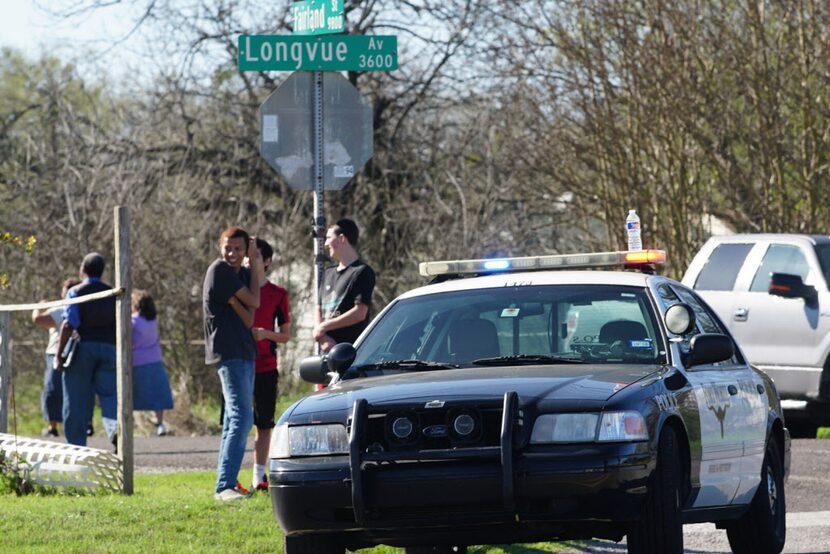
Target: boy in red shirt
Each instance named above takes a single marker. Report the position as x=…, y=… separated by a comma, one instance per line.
x=272, y=326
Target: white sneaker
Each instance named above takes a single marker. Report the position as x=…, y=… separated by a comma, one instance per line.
x=161, y=429
x=229, y=495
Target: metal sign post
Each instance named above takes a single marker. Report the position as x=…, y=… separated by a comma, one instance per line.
x=319, y=215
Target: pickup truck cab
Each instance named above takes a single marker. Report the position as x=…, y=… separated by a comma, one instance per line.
x=771, y=291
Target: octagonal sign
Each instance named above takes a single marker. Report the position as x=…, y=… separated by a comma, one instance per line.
x=287, y=131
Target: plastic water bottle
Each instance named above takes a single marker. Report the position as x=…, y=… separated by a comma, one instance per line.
x=632, y=227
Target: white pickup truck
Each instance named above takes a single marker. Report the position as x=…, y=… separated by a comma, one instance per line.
x=771, y=291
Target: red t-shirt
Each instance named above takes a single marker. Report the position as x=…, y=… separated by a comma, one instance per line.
x=273, y=311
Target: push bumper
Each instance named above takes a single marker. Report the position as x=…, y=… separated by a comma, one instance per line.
x=376, y=498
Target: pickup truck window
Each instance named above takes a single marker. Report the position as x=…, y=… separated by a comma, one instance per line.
x=823, y=254
x=780, y=258
x=722, y=268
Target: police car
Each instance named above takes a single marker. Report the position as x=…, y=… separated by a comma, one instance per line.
x=519, y=400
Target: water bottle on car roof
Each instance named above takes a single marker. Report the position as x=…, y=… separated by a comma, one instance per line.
x=632, y=229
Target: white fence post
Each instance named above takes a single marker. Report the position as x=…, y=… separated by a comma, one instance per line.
x=5, y=369
x=123, y=347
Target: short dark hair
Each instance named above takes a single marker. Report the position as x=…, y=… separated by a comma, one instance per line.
x=93, y=265
x=143, y=303
x=234, y=233
x=346, y=226
x=68, y=283
x=265, y=248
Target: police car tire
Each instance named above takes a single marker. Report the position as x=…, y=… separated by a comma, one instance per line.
x=313, y=544
x=660, y=529
x=763, y=529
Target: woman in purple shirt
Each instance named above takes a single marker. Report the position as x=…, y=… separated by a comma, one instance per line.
x=151, y=387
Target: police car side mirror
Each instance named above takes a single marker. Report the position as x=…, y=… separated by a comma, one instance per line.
x=709, y=348
x=787, y=285
x=314, y=370
x=679, y=319
x=340, y=357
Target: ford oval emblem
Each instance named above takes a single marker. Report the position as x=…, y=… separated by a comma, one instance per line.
x=435, y=431
x=434, y=404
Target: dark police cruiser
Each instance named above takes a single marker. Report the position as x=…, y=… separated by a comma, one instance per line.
x=508, y=402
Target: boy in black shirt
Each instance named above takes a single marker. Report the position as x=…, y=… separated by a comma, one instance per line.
x=346, y=290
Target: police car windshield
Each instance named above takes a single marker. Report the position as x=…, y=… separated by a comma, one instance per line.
x=583, y=323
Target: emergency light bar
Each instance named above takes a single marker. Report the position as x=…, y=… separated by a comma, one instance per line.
x=536, y=263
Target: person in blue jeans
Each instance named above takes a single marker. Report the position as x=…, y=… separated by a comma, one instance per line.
x=51, y=400
x=230, y=296
x=92, y=369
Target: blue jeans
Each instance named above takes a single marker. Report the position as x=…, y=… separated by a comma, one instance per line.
x=51, y=401
x=92, y=372
x=237, y=378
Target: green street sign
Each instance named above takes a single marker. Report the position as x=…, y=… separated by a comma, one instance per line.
x=318, y=53
x=317, y=17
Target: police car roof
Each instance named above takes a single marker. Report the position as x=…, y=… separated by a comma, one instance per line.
x=531, y=278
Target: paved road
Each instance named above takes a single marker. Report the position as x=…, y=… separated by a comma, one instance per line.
x=172, y=453
x=808, y=490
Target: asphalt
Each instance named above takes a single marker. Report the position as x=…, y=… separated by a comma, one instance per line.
x=173, y=453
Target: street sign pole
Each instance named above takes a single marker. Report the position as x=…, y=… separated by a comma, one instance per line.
x=319, y=215
x=347, y=126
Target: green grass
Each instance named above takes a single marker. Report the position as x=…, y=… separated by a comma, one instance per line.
x=823, y=433
x=172, y=512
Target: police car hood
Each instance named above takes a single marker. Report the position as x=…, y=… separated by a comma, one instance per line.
x=573, y=386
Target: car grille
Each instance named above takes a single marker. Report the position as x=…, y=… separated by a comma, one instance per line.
x=416, y=428
x=382, y=437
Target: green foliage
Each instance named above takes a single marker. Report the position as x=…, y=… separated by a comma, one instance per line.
x=27, y=244
x=823, y=433
x=15, y=474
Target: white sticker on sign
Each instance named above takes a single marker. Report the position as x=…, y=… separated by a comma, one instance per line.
x=344, y=171
x=270, y=131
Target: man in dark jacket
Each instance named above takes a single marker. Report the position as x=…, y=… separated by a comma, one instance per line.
x=92, y=369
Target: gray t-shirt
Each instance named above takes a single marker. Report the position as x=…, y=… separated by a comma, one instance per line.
x=54, y=332
x=226, y=336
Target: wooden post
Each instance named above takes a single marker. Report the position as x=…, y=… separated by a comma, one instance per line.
x=5, y=369
x=123, y=347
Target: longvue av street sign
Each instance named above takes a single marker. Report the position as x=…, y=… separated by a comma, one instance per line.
x=318, y=53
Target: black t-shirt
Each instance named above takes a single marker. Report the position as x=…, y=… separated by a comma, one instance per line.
x=341, y=290
x=226, y=336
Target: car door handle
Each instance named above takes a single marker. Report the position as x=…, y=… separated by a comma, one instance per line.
x=740, y=314
x=733, y=390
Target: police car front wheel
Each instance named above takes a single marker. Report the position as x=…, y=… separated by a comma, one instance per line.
x=763, y=529
x=660, y=530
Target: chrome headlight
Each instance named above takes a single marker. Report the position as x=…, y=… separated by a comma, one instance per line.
x=551, y=428
x=589, y=427
x=622, y=426
x=309, y=440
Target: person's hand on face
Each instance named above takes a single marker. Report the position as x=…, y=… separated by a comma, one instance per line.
x=253, y=252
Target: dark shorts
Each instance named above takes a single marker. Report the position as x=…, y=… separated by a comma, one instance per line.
x=265, y=398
